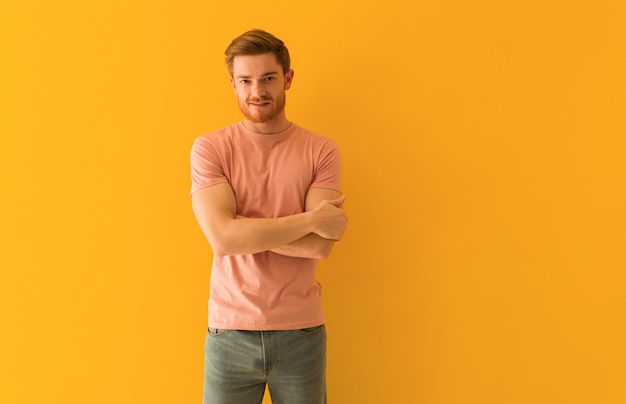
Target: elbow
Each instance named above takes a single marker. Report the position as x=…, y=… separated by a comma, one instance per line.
x=323, y=252
x=219, y=246
x=221, y=249
x=219, y=252
x=223, y=246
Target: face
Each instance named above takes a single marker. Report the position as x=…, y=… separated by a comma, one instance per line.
x=260, y=86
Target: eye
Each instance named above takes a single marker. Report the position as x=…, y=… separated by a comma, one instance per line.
x=270, y=78
x=244, y=81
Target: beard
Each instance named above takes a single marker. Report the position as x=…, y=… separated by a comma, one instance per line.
x=266, y=115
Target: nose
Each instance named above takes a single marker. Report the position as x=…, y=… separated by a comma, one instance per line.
x=257, y=89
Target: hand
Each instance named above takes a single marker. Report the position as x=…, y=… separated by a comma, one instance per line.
x=330, y=220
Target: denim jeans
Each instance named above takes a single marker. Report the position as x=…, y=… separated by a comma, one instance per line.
x=238, y=364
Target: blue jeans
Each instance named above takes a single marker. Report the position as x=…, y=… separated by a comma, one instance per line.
x=238, y=364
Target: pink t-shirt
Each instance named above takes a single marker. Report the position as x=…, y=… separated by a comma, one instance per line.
x=270, y=176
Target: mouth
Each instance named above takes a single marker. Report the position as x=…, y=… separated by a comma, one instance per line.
x=259, y=104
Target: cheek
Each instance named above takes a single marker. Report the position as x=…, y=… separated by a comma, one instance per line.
x=241, y=95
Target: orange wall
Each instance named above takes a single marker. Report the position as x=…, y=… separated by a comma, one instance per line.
x=483, y=144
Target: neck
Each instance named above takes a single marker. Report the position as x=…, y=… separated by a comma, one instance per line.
x=274, y=126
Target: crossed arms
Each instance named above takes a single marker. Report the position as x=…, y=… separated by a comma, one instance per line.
x=309, y=235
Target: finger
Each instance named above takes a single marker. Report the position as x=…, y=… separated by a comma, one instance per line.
x=337, y=202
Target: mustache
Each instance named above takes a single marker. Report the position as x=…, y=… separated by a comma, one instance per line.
x=258, y=100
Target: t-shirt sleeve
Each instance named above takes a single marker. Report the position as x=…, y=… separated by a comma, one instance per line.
x=328, y=167
x=207, y=167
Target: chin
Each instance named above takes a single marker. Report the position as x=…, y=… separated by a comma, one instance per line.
x=260, y=119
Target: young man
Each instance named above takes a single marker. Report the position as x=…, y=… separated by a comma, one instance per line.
x=267, y=195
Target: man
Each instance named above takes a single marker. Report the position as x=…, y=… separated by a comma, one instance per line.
x=266, y=194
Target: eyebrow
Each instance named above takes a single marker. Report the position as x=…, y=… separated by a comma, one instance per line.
x=241, y=76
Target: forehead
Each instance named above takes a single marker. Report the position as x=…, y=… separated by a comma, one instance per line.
x=256, y=65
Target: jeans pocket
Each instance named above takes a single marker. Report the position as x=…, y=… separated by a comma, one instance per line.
x=311, y=330
x=214, y=332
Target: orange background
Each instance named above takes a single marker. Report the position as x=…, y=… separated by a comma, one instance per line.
x=484, y=150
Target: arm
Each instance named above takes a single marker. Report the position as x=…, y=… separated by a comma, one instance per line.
x=215, y=210
x=312, y=245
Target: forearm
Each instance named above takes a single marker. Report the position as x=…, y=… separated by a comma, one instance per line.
x=314, y=245
x=309, y=246
x=230, y=234
x=242, y=235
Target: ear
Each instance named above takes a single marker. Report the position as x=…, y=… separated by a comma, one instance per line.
x=288, y=79
x=232, y=83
